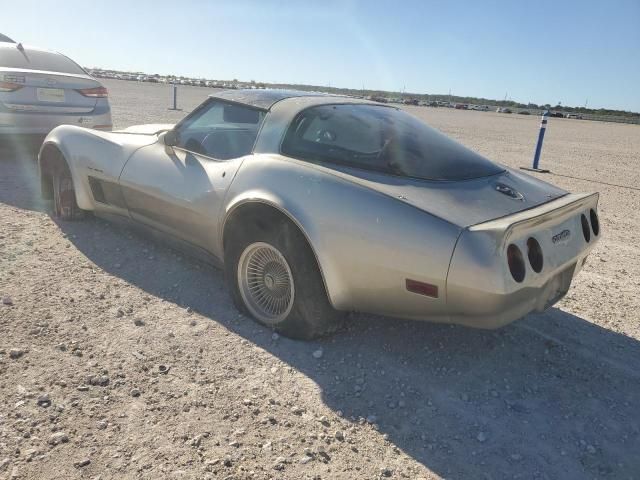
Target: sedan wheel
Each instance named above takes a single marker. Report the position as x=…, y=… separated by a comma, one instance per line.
x=266, y=283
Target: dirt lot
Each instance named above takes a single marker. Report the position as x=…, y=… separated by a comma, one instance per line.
x=120, y=358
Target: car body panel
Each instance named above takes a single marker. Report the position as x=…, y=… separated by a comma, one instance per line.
x=463, y=203
x=491, y=301
x=178, y=192
x=26, y=98
x=92, y=153
x=149, y=129
x=370, y=232
x=364, y=267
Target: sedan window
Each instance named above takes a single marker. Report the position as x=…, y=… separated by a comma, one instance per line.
x=220, y=130
x=382, y=139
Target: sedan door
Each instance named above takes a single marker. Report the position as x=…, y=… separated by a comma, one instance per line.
x=180, y=190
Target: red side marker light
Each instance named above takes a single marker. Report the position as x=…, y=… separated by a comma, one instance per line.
x=420, y=288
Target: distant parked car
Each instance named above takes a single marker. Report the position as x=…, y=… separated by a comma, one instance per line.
x=479, y=108
x=461, y=106
x=575, y=116
x=524, y=112
x=503, y=110
x=4, y=38
x=556, y=114
x=41, y=89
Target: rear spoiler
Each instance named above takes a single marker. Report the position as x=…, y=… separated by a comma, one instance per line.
x=558, y=209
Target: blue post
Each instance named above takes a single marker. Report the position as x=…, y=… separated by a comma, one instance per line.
x=536, y=156
x=175, y=97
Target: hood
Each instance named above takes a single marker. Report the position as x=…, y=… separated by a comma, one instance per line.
x=463, y=203
x=148, y=129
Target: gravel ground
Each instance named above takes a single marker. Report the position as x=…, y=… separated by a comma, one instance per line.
x=121, y=358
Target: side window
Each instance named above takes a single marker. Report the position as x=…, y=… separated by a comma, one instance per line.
x=339, y=133
x=345, y=131
x=220, y=130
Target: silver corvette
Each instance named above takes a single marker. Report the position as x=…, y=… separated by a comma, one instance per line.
x=316, y=205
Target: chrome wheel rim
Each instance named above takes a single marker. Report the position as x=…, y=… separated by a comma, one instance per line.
x=266, y=283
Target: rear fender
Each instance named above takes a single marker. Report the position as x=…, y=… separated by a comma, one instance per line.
x=366, y=243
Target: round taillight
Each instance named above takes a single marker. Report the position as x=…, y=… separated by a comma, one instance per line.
x=516, y=263
x=586, y=230
x=534, y=252
x=595, y=223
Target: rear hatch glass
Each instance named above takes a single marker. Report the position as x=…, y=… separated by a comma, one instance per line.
x=12, y=57
x=381, y=139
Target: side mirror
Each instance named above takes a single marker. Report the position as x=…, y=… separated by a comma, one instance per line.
x=170, y=138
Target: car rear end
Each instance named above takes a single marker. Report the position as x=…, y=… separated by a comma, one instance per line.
x=503, y=269
x=40, y=90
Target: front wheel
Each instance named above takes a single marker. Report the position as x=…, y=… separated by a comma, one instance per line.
x=64, y=195
x=273, y=276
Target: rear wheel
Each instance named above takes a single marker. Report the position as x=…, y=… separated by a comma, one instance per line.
x=266, y=283
x=274, y=277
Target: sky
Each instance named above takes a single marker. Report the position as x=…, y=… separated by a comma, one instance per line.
x=540, y=51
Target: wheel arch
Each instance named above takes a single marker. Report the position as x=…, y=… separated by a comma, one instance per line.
x=53, y=151
x=48, y=159
x=266, y=210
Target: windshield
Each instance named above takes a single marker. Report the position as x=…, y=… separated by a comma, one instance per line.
x=12, y=57
x=382, y=139
x=220, y=130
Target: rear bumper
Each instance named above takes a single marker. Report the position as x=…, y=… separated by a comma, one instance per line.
x=492, y=310
x=480, y=289
x=16, y=123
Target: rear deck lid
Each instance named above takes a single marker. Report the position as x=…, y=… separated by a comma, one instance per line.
x=40, y=81
x=466, y=202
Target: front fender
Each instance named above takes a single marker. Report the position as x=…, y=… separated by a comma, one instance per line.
x=367, y=244
x=94, y=153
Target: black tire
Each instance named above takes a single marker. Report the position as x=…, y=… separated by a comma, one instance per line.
x=65, y=206
x=311, y=315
